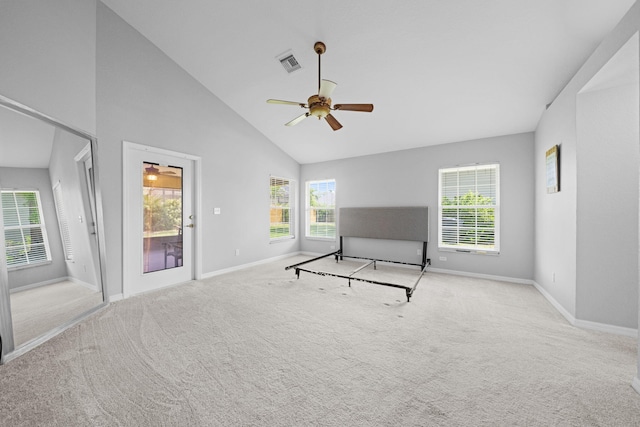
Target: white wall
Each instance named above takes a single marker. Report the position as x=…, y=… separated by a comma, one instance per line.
x=608, y=157
x=144, y=97
x=65, y=170
x=48, y=53
x=80, y=63
x=410, y=178
x=37, y=179
x=556, y=215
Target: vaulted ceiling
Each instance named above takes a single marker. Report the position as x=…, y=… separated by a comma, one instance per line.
x=437, y=71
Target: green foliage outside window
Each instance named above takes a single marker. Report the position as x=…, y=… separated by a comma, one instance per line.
x=468, y=220
x=163, y=217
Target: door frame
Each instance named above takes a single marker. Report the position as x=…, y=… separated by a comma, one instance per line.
x=127, y=256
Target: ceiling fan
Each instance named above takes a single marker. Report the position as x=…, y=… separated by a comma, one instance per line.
x=152, y=173
x=320, y=105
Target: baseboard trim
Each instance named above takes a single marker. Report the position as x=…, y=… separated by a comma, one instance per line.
x=481, y=276
x=603, y=327
x=115, y=298
x=636, y=384
x=81, y=283
x=51, y=282
x=586, y=324
x=555, y=304
x=248, y=265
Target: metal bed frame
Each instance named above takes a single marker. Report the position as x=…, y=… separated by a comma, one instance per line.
x=354, y=228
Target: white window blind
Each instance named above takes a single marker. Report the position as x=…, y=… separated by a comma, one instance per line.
x=321, y=209
x=469, y=208
x=281, y=212
x=25, y=235
x=63, y=222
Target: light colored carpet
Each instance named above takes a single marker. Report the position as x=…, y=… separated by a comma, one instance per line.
x=38, y=310
x=260, y=348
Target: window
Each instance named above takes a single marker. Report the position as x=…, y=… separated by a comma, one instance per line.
x=25, y=236
x=63, y=223
x=321, y=209
x=281, y=213
x=469, y=208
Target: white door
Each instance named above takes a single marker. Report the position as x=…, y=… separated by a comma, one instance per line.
x=159, y=219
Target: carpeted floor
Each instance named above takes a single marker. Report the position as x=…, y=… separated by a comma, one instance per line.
x=38, y=310
x=260, y=348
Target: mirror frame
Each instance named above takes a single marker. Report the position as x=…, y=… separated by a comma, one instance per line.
x=7, y=348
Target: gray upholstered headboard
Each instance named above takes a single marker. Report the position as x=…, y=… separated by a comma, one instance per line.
x=393, y=223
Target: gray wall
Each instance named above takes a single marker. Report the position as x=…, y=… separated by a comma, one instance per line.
x=564, y=220
x=37, y=179
x=608, y=156
x=144, y=97
x=70, y=174
x=51, y=49
x=94, y=72
x=410, y=178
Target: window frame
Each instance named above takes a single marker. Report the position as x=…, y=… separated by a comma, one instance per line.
x=494, y=189
x=63, y=221
x=308, y=209
x=291, y=200
x=41, y=225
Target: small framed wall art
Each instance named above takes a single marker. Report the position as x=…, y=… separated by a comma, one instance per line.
x=552, y=162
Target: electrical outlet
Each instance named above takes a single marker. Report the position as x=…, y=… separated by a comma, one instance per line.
x=419, y=251
x=237, y=252
x=443, y=258
x=216, y=211
x=332, y=247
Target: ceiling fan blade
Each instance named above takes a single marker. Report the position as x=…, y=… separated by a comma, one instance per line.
x=367, y=108
x=326, y=88
x=335, y=125
x=278, y=101
x=297, y=119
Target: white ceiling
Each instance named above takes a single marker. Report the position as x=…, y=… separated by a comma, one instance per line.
x=437, y=71
x=25, y=142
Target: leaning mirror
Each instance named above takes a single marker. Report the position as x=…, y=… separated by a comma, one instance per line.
x=50, y=257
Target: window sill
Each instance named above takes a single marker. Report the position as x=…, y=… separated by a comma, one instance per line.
x=22, y=267
x=468, y=251
x=321, y=239
x=282, y=239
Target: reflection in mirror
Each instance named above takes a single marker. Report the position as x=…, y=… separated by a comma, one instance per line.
x=50, y=240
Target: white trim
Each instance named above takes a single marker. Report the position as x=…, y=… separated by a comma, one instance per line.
x=81, y=283
x=482, y=276
x=555, y=304
x=41, y=225
x=127, y=147
x=636, y=384
x=115, y=298
x=251, y=264
x=150, y=149
x=603, y=327
x=293, y=211
x=37, y=285
x=586, y=324
x=474, y=249
x=307, y=210
x=53, y=282
x=83, y=154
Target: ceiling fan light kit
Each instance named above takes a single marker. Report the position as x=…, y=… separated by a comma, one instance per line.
x=320, y=105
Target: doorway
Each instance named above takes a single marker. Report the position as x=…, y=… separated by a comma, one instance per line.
x=159, y=230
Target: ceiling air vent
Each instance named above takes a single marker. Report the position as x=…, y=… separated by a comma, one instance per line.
x=289, y=62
